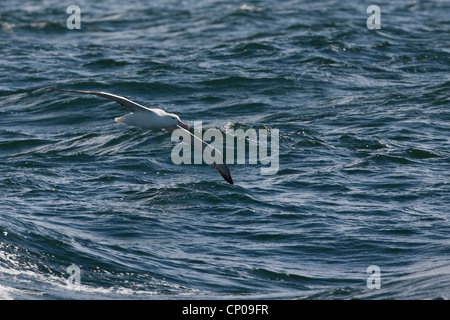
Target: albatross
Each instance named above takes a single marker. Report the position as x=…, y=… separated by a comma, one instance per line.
x=158, y=119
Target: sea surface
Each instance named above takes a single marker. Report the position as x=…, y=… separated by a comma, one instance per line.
x=359, y=207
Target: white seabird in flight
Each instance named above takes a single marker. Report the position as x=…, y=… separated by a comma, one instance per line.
x=158, y=119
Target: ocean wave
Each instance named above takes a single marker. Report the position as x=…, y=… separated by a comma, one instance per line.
x=363, y=151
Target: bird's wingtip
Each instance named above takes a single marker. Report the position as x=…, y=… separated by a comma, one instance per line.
x=224, y=172
x=229, y=179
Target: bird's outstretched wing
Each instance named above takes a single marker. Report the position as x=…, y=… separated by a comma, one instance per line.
x=181, y=132
x=130, y=105
x=221, y=166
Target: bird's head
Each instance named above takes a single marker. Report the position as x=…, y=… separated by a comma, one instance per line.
x=174, y=120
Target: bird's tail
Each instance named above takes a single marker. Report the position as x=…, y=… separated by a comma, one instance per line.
x=120, y=119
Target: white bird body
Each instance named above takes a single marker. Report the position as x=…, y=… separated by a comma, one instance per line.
x=157, y=119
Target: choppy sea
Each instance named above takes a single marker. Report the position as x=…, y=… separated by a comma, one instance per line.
x=358, y=208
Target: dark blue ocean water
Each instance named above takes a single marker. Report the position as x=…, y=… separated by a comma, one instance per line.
x=364, y=150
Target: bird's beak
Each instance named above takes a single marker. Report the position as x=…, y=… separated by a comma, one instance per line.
x=184, y=125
